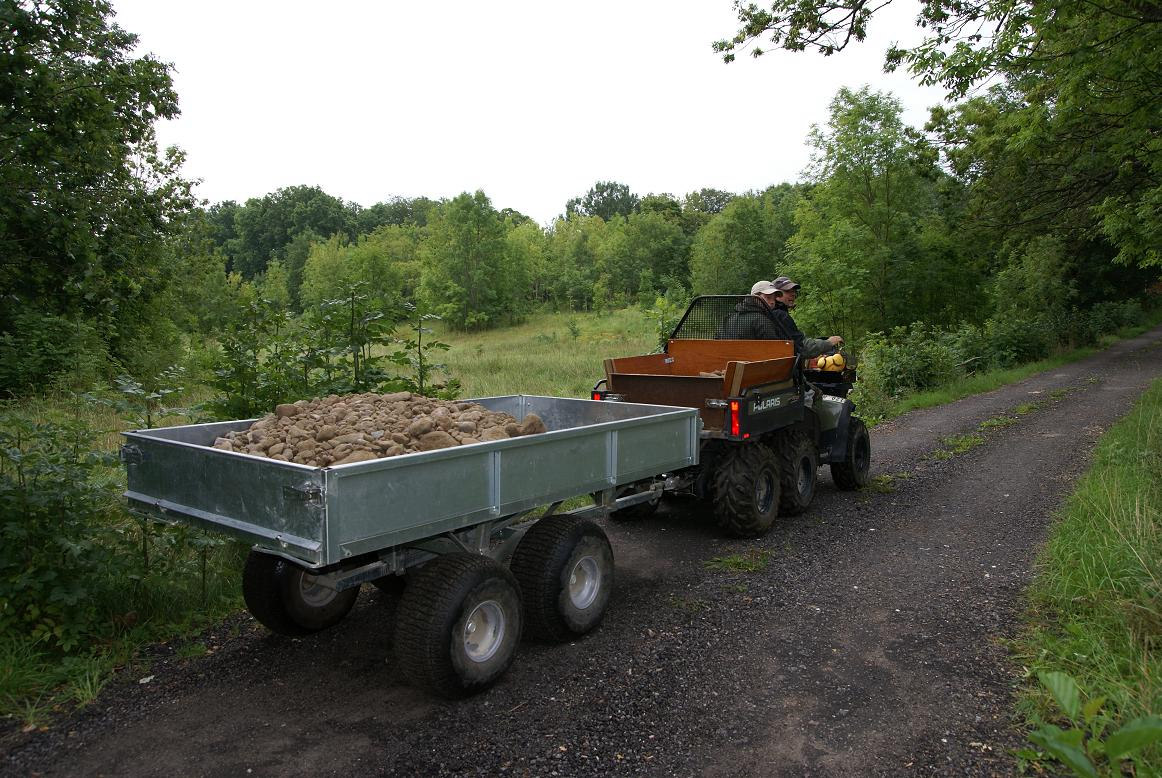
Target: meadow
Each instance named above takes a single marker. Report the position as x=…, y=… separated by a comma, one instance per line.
x=554, y=354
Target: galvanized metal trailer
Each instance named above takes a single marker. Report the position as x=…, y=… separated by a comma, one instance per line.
x=453, y=517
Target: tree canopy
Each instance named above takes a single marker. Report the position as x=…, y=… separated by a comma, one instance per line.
x=1069, y=134
x=87, y=200
x=606, y=199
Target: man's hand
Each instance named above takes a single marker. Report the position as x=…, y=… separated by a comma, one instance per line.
x=835, y=340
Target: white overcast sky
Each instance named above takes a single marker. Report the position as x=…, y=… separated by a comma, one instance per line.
x=530, y=100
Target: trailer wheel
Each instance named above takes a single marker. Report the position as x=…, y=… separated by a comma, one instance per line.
x=565, y=568
x=458, y=625
x=746, y=490
x=800, y=464
x=855, y=469
x=288, y=600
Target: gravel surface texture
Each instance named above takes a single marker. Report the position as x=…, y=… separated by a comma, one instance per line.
x=871, y=642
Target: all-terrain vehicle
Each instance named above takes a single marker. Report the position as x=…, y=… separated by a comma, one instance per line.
x=769, y=420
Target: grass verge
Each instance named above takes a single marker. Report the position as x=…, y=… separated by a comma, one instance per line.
x=994, y=379
x=1096, y=603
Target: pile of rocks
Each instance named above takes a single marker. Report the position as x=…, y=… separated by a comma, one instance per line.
x=339, y=430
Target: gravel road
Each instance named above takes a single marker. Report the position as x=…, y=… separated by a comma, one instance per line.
x=871, y=643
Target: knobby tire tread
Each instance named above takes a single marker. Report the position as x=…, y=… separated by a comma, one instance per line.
x=734, y=497
x=845, y=474
x=790, y=447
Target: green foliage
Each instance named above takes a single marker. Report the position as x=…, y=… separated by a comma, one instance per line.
x=605, y=200
x=142, y=405
x=264, y=227
x=87, y=200
x=82, y=584
x=1086, y=747
x=870, y=245
x=252, y=373
x=468, y=278
x=1097, y=601
x=53, y=547
x=667, y=311
x=922, y=357
x=737, y=247
x=540, y=356
x=643, y=246
x=41, y=351
x=416, y=353
x=570, y=274
x=384, y=263
x=753, y=561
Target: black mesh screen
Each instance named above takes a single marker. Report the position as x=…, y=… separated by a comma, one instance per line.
x=708, y=318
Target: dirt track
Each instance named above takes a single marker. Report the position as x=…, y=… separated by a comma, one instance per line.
x=871, y=643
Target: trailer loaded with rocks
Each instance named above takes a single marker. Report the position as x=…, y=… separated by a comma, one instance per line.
x=464, y=497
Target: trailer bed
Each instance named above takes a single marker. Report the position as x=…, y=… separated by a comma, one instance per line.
x=323, y=516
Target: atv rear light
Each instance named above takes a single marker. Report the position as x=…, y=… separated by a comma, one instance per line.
x=734, y=417
x=613, y=397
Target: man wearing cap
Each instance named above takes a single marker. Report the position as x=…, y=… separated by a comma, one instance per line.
x=782, y=302
x=765, y=315
x=752, y=318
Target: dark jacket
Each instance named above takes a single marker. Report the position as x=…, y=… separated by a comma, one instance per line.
x=807, y=347
x=753, y=320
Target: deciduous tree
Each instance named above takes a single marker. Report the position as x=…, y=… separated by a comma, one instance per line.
x=87, y=200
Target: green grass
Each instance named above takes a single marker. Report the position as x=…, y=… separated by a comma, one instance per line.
x=1096, y=603
x=983, y=382
x=994, y=379
x=957, y=444
x=543, y=355
x=747, y=562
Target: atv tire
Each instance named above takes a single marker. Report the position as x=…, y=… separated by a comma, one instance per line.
x=854, y=471
x=799, y=460
x=746, y=490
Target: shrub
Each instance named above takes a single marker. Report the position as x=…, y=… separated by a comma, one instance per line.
x=75, y=568
x=53, y=547
x=41, y=351
x=1010, y=341
x=907, y=359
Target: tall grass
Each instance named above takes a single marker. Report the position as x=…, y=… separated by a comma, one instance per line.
x=557, y=354
x=1096, y=603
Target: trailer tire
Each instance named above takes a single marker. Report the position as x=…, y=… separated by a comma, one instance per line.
x=459, y=624
x=285, y=598
x=800, y=467
x=565, y=568
x=854, y=471
x=746, y=490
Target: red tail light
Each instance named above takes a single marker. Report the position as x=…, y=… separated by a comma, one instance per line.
x=597, y=395
x=734, y=417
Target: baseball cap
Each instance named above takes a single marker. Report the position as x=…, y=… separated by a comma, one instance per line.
x=784, y=284
x=763, y=287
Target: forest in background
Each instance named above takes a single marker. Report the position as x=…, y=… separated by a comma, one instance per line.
x=1024, y=216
